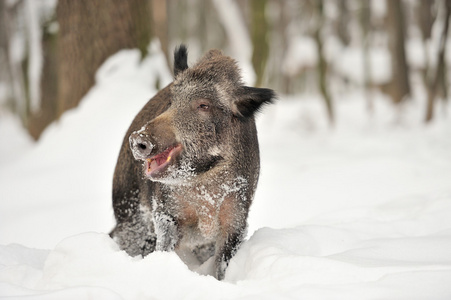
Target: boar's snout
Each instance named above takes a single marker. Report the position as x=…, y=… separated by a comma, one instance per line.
x=141, y=145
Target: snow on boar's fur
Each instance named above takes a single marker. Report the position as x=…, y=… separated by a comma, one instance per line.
x=189, y=165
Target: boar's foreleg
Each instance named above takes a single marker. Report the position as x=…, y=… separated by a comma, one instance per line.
x=166, y=230
x=233, y=225
x=226, y=252
x=135, y=236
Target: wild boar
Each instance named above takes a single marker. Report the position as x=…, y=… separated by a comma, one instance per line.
x=189, y=165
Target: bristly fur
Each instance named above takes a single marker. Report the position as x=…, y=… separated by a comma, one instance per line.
x=180, y=59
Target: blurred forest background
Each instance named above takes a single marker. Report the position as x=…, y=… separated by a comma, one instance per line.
x=50, y=50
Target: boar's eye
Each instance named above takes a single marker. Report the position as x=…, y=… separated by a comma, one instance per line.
x=203, y=106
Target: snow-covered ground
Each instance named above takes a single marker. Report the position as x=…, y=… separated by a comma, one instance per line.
x=362, y=211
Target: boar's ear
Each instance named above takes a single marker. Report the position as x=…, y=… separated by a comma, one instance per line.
x=180, y=59
x=251, y=99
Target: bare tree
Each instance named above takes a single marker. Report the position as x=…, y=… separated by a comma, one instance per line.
x=440, y=69
x=272, y=39
x=12, y=71
x=90, y=31
x=322, y=63
x=365, y=21
x=425, y=21
x=259, y=35
x=48, y=110
x=343, y=21
x=400, y=86
x=160, y=25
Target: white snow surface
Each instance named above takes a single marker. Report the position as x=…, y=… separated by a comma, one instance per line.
x=361, y=211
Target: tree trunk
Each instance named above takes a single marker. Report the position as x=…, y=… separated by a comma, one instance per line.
x=425, y=22
x=440, y=71
x=259, y=31
x=160, y=26
x=13, y=69
x=47, y=111
x=400, y=86
x=426, y=18
x=91, y=31
x=343, y=21
x=322, y=64
x=365, y=21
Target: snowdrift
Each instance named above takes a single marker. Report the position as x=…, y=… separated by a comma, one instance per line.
x=362, y=211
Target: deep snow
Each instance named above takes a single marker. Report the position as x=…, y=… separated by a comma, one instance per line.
x=362, y=211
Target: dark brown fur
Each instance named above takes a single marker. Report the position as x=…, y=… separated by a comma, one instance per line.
x=197, y=204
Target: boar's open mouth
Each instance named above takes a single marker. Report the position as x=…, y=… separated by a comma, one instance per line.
x=159, y=162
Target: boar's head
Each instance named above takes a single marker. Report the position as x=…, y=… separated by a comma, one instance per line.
x=210, y=111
